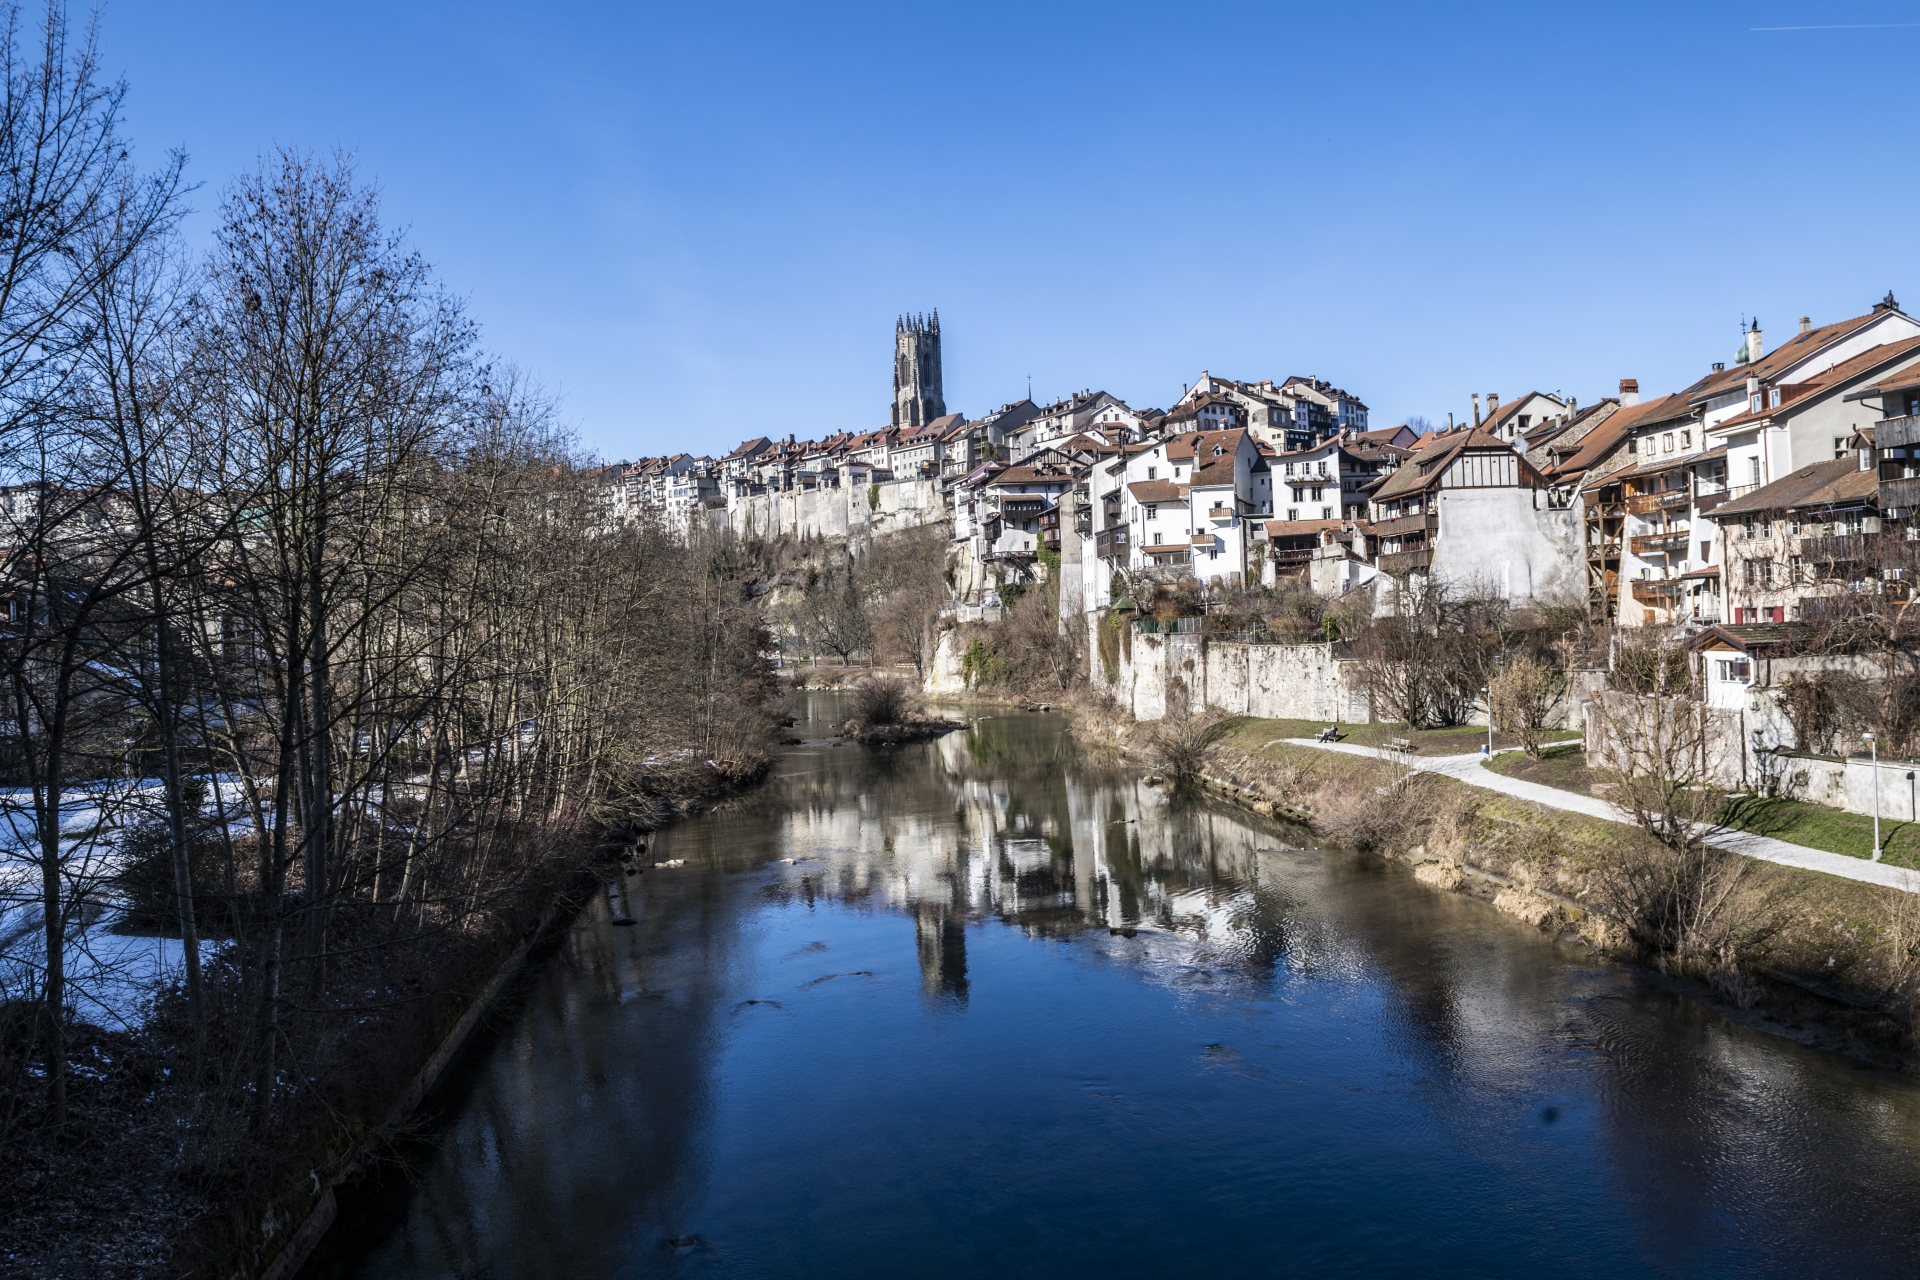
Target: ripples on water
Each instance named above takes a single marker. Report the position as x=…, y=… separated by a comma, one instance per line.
x=981, y=1008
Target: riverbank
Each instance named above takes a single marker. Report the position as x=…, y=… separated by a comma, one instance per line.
x=1820, y=959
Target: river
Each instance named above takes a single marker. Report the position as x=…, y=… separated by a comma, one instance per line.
x=980, y=1007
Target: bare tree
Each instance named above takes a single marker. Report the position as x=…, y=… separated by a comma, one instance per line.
x=1525, y=697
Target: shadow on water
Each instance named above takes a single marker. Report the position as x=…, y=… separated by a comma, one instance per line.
x=982, y=1006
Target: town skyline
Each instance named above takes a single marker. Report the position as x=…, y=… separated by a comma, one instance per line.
x=1446, y=202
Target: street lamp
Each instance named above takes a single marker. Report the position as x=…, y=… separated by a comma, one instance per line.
x=1874, y=749
x=1487, y=694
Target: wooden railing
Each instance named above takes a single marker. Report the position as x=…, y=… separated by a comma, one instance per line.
x=1834, y=548
x=1397, y=562
x=1661, y=591
x=1658, y=543
x=1641, y=504
x=1110, y=542
x=1399, y=525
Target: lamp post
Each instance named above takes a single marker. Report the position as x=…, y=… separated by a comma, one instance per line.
x=1873, y=749
x=1487, y=694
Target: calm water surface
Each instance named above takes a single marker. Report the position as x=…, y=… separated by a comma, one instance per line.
x=1007, y=1013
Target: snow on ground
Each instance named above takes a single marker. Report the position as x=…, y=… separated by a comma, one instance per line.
x=113, y=976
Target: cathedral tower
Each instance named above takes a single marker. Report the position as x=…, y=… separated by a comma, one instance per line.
x=916, y=371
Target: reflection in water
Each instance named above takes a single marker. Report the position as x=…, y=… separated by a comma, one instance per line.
x=978, y=1007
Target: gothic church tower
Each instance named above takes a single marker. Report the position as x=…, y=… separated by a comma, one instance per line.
x=916, y=371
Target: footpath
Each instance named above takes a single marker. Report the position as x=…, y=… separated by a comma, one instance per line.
x=1468, y=769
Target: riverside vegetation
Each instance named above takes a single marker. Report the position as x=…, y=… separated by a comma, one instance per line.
x=1809, y=955
x=318, y=658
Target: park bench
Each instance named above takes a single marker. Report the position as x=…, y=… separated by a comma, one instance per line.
x=1400, y=744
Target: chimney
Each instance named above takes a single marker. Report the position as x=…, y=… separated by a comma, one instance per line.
x=1573, y=407
x=1629, y=391
x=1493, y=403
x=1806, y=324
x=1476, y=408
x=1753, y=342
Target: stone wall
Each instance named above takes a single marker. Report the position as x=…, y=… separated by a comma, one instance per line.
x=1272, y=681
x=839, y=512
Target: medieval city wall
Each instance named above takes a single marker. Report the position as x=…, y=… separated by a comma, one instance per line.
x=839, y=512
x=1271, y=681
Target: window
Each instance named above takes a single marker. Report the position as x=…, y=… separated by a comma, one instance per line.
x=1773, y=398
x=1323, y=468
x=1753, y=471
x=1795, y=569
x=1733, y=669
x=1296, y=495
x=1316, y=493
x=1153, y=473
x=1839, y=446
x=1326, y=513
x=1633, y=444
x=1293, y=513
x=1686, y=439
x=1666, y=443
x=1153, y=511
x=1156, y=538
x=1289, y=468
x=1746, y=526
x=1706, y=552
x=1753, y=405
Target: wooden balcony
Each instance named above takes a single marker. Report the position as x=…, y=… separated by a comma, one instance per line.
x=1840, y=548
x=1896, y=433
x=1705, y=502
x=1401, y=525
x=1659, y=544
x=1170, y=553
x=1904, y=494
x=1399, y=562
x=1110, y=543
x=1664, y=592
x=1219, y=513
x=1641, y=504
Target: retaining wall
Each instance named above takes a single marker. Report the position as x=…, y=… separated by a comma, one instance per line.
x=1272, y=681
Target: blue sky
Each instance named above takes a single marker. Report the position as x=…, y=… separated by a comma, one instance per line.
x=696, y=223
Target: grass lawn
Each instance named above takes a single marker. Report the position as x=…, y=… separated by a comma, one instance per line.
x=1251, y=734
x=1819, y=827
x=1562, y=767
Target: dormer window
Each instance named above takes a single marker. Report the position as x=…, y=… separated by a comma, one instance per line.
x=1753, y=405
x=1773, y=398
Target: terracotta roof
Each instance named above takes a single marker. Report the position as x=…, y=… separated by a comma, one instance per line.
x=747, y=447
x=1746, y=636
x=1214, y=471
x=1655, y=468
x=1424, y=469
x=1840, y=480
x=1156, y=491
x=1599, y=443
x=1794, y=394
x=1711, y=571
x=1722, y=381
x=1905, y=380
x=1033, y=474
x=1302, y=528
